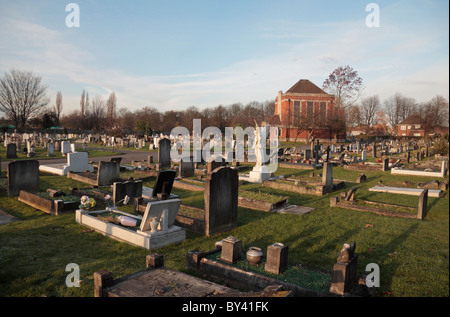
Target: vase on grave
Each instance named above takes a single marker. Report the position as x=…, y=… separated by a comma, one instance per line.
x=254, y=255
x=154, y=224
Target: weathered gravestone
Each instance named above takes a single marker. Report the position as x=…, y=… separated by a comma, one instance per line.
x=277, y=258
x=186, y=167
x=65, y=147
x=108, y=172
x=231, y=250
x=50, y=149
x=344, y=271
x=132, y=189
x=327, y=177
x=422, y=207
x=11, y=150
x=23, y=175
x=163, y=184
x=221, y=200
x=164, y=153
x=79, y=162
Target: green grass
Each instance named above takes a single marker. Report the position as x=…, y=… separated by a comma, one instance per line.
x=413, y=255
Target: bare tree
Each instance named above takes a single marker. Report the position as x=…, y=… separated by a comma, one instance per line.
x=97, y=113
x=398, y=107
x=58, y=105
x=22, y=95
x=435, y=113
x=369, y=109
x=83, y=103
x=111, y=105
x=354, y=116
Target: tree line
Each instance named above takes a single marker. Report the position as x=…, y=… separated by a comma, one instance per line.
x=24, y=101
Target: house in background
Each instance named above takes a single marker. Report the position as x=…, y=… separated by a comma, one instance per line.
x=411, y=126
x=304, y=111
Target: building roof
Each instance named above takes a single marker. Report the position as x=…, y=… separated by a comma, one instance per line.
x=412, y=119
x=304, y=86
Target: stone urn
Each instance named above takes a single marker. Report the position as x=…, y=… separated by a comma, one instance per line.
x=154, y=224
x=254, y=255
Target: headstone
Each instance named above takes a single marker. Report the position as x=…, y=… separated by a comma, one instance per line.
x=79, y=162
x=11, y=150
x=327, y=177
x=50, y=149
x=23, y=175
x=361, y=178
x=131, y=189
x=164, y=153
x=231, y=250
x=385, y=164
x=163, y=184
x=108, y=172
x=65, y=147
x=423, y=202
x=277, y=258
x=344, y=271
x=221, y=200
x=186, y=167
x=363, y=155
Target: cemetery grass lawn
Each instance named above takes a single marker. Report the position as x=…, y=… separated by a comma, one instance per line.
x=413, y=255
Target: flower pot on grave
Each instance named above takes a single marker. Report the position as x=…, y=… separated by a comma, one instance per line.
x=254, y=255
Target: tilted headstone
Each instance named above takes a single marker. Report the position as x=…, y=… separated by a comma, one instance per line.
x=164, y=183
x=131, y=189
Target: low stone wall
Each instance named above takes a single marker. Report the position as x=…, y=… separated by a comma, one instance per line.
x=238, y=278
x=318, y=190
x=50, y=206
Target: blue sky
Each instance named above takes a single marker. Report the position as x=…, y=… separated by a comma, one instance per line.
x=172, y=54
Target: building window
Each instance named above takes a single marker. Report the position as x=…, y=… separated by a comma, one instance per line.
x=323, y=112
x=310, y=110
x=417, y=126
x=296, y=115
x=403, y=127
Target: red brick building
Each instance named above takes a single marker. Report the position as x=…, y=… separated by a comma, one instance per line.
x=411, y=126
x=304, y=109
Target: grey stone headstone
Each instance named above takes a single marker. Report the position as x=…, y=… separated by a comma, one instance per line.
x=23, y=175
x=164, y=153
x=221, y=200
x=108, y=172
x=186, y=167
x=50, y=149
x=11, y=150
